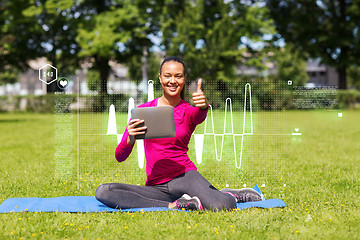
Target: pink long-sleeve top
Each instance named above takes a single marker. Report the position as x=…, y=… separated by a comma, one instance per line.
x=167, y=158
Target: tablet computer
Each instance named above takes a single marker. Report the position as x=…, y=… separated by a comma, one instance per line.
x=159, y=121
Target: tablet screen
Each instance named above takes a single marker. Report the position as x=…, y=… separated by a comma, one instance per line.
x=159, y=121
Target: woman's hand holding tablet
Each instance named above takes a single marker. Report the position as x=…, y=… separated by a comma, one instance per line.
x=134, y=128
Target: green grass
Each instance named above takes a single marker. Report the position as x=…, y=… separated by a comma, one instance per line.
x=316, y=174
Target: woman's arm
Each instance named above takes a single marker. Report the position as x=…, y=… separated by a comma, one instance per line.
x=197, y=115
x=123, y=150
x=127, y=142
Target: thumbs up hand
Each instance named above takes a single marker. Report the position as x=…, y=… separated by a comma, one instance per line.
x=199, y=98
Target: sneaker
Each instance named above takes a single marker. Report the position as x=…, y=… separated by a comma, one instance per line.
x=244, y=194
x=188, y=203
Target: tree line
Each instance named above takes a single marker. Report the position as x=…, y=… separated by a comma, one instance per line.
x=213, y=37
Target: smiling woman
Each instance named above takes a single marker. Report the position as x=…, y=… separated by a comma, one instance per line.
x=172, y=77
x=172, y=178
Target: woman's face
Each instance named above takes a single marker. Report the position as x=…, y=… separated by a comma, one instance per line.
x=172, y=78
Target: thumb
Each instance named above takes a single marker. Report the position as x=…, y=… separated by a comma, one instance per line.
x=199, y=85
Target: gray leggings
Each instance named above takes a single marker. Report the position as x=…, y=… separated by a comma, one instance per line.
x=120, y=195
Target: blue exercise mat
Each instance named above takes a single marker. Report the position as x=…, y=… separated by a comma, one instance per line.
x=90, y=204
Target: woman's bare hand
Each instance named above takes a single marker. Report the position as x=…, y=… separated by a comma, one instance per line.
x=199, y=98
x=133, y=130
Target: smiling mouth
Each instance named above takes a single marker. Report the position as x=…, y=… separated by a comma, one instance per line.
x=172, y=88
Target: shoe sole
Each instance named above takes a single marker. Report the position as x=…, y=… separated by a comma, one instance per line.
x=200, y=205
x=246, y=190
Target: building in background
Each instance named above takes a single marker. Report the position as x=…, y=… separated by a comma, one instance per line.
x=321, y=75
x=29, y=83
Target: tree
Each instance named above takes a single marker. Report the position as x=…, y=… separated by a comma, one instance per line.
x=354, y=76
x=134, y=66
x=101, y=36
x=143, y=63
x=32, y=29
x=93, y=80
x=15, y=47
x=325, y=29
x=212, y=36
x=58, y=30
x=8, y=75
x=147, y=28
x=290, y=66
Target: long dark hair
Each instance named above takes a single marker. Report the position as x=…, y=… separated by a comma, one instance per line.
x=176, y=59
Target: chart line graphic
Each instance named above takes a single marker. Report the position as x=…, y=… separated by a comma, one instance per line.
x=199, y=138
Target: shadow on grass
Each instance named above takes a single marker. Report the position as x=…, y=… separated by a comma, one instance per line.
x=11, y=120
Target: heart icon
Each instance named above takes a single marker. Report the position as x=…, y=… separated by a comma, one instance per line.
x=296, y=129
x=63, y=83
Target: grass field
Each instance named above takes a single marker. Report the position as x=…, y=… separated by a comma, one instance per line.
x=316, y=174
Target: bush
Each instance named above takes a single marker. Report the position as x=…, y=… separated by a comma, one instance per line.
x=348, y=98
x=266, y=98
x=50, y=103
x=102, y=102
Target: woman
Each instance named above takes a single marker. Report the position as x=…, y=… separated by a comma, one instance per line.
x=172, y=178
